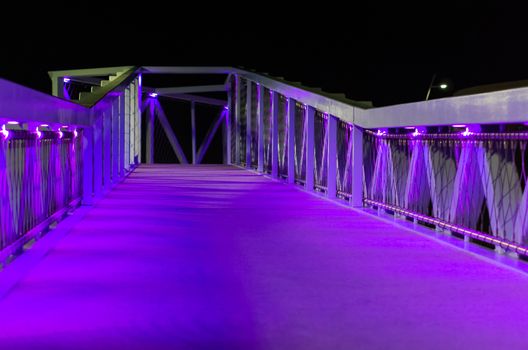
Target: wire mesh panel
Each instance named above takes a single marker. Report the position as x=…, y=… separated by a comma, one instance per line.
x=344, y=160
x=254, y=125
x=266, y=121
x=282, y=121
x=300, y=143
x=320, y=151
x=38, y=177
x=470, y=180
x=232, y=121
x=242, y=123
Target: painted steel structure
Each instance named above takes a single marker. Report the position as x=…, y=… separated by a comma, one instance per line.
x=409, y=159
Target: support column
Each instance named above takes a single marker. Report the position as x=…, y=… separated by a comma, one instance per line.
x=227, y=127
x=291, y=140
x=357, y=167
x=275, y=135
x=237, y=118
x=98, y=155
x=122, y=134
x=107, y=144
x=149, y=140
x=88, y=175
x=115, y=141
x=193, y=131
x=332, y=154
x=260, y=128
x=248, y=122
x=310, y=117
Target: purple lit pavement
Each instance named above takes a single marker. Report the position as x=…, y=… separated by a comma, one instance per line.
x=212, y=257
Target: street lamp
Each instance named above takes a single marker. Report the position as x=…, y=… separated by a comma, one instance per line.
x=442, y=86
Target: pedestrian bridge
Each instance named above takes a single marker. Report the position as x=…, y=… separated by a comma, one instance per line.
x=329, y=226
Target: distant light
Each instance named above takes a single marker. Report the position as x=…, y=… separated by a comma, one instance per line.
x=44, y=125
x=12, y=122
x=410, y=127
x=153, y=95
x=380, y=132
x=226, y=108
x=64, y=126
x=75, y=133
x=443, y=86
x=66, y=80
x=416, y=132
x=467, y=132
x=60, y=134
x=459, y=125
x=4, y=132
x=39, y=134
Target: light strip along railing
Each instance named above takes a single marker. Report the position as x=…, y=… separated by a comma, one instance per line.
x=56, y=155
x=468, y=183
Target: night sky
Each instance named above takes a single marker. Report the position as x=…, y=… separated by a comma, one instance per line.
x=384, y=55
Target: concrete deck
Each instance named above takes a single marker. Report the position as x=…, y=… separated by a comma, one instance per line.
x=212, y=257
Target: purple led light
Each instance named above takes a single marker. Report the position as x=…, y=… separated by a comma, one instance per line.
x=416, y=132
x=459, y=125
x=44, y=125
x=12, y=122
x=4, y=132
x=39, y=134
x=60, y=134
x=153, y=95
x=66, y=79
x=64, y=126
x=380, y=132
x=410, y=128
x=226, y=108
x=75, y=133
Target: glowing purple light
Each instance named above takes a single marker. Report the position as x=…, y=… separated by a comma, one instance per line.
x=60, y=134
x=66, y=80
x=459, y=125
x=64, y=126
x=466, y=132
x=226, y=108
x=153, y=95
x=12, y=122
x=4, y=132
x=75, y=133
x=410, y=128
x=380, y=132
x=416, y=132
x=39, y=134
x=44, y=125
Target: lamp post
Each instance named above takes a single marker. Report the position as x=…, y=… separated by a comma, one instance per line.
x=442, y=86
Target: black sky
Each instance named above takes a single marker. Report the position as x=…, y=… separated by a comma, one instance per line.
x=374, y=53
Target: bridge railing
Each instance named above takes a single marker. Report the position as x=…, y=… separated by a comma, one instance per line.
x=456, y=164
x=56, y=155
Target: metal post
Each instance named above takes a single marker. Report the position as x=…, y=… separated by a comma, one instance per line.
x=149, y=144
x=122, y=134
x=88, y=174
x=98, y=156
x=193, y=131
x=332, y=154
x=357, y=167
x=237, y=118
x=260, y=128
x=227, y=126
x=291, y=140
x=275, y=135
x=115, y=141
x=310, y=117
x=107, y=151
x=248, y=122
